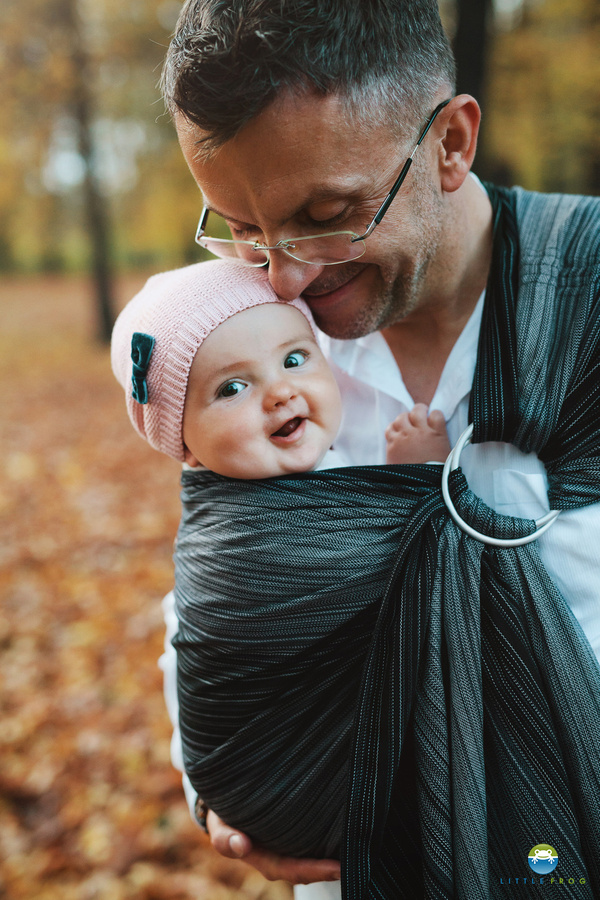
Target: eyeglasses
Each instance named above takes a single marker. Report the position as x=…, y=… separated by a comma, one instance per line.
x=327, y=249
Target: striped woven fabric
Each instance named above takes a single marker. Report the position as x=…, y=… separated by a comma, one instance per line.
x=358, y=677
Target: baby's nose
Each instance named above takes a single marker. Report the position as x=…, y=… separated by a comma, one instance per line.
x=279, y=392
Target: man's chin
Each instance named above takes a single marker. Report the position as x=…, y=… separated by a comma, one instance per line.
x=346, y=310
x=350, y=321
x=344, y=331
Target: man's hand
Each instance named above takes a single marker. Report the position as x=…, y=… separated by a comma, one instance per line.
x=235, y=845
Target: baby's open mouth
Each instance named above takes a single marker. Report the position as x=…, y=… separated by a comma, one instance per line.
x=288, y=427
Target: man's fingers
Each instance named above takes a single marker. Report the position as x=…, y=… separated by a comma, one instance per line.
x=236, y=845
x=296, y=871
x=227, y=841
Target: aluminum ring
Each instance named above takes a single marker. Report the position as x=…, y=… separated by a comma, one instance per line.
x=541, y=525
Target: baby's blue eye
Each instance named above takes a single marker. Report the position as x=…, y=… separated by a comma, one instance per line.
x=292, y=360
x=231, y=389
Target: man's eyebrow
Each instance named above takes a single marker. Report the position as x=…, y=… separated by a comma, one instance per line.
x=329, y=192
x=223, y=215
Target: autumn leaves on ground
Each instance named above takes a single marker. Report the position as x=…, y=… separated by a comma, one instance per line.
x=90, y=808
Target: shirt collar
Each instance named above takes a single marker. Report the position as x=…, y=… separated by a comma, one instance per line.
x=369, y=360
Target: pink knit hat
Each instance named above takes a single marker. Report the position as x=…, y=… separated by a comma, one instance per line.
x=157, y=335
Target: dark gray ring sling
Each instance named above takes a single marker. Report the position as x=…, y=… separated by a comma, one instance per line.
x=358, y=676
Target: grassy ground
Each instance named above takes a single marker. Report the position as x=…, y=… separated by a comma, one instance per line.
x=90, y=808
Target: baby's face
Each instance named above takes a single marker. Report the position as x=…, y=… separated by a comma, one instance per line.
x=261, y=398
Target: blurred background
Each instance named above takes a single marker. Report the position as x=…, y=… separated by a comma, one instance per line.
x=94, y=197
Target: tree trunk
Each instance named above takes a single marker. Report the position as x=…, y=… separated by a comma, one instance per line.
x=96, y=212
x=471, y=45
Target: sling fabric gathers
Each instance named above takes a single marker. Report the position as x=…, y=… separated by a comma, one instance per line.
x=359, y=677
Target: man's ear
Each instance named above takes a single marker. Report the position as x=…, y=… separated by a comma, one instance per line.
x=461, y=120
x=190, y=458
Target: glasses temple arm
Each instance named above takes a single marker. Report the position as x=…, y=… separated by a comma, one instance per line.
x=386, y=203
x=398, y=182
x=432, y=118
x=202, y=223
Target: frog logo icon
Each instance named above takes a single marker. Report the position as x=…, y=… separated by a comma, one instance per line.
x=543, y=859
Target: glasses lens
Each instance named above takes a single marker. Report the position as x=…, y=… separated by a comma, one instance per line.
x=326, y=249
x=320, y=250
x=235, y=251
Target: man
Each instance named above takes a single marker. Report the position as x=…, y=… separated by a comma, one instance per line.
x=296, y=119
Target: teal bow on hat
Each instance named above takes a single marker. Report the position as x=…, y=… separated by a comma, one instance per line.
x=141, y=351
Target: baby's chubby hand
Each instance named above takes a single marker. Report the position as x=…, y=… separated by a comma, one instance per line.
x=417, y=437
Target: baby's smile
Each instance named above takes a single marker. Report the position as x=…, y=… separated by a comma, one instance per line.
x=291, y=430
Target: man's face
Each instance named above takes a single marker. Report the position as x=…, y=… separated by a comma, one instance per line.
x=261, y=399
x=303, y=167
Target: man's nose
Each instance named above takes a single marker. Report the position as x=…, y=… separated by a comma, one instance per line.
x=289, y=277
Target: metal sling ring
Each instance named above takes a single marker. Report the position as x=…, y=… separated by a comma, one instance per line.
x=542, y=524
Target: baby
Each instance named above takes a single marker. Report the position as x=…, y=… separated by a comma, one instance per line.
x=220, y=373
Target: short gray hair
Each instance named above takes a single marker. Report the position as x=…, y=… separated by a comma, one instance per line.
x=228, y=60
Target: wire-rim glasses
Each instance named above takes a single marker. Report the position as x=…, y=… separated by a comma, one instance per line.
x=328, y=249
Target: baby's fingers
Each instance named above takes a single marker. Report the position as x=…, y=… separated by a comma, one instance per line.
x=391, y=431
x=436, y=420
x=400, y=423
x=418, y=415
